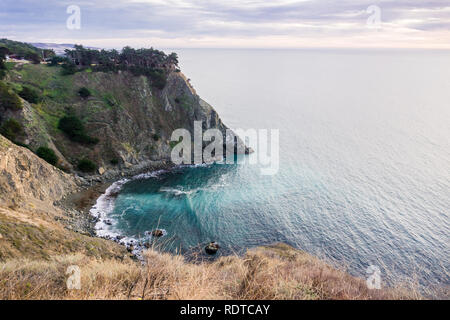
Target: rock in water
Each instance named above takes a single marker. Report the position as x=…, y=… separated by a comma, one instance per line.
x=212, y=248
x=157, y=233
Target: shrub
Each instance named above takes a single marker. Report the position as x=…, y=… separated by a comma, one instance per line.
x=114, y=161
x=71, y=125
x=68, y=69
x=29, y=94
x=86, y=165
x=156, y=137
x=11, y=129
x=74, y=129
x=48, y=155
x=84, y=92
x=8, y=99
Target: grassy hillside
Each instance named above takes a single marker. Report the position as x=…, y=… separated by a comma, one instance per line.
x=128, y=119
x=32, y=225
x=276, y=272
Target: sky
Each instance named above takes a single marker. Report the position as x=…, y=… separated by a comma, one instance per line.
x=231, y=23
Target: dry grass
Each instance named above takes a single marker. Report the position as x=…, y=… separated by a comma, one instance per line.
x=277, y=272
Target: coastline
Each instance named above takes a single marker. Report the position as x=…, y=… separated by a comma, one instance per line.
x=52, y=241
x=104, y=188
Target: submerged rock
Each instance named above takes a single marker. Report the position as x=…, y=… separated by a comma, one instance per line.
x=212, y=248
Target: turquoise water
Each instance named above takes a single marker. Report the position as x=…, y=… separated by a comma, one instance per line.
x=364, y=174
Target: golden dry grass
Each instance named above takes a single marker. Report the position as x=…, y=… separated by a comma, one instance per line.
x=276, y=272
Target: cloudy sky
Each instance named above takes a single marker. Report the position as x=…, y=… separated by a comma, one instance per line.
x=232, y=23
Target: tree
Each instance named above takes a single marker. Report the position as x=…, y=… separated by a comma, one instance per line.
x=3, y=52
x=33, y=57
x=2, y=68
x=57, y=59
x=48, y=53
x=173, y=59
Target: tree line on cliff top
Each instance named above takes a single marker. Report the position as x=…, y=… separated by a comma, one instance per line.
x=152, y=63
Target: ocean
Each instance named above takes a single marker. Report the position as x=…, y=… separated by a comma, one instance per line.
x=364, y=173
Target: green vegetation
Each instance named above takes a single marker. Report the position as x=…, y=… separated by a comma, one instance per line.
x=11, y=129
x=86, y=165
x=68, y=69
x=84, y=92
x=114, y=161
x=156, y=137
x=54, y=61
x=152, y=63
x=10, y=65
x=48, y=155
x=3, y=68
x=74, y=129
x=29, y=94
x=8, y=99
x=25, y=50
x=49, y=81
x=184, y=102
x=110, y=100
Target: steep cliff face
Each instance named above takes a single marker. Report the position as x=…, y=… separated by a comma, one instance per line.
x=32, y=223
x=28, y=182
x=132, y=120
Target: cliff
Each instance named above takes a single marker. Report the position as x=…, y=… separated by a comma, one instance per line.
x=132, y=119
x=32, y=223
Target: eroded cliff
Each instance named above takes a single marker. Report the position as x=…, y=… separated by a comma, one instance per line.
x=132, y=119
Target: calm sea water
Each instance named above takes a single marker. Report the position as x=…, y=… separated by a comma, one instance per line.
x=364, y=173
